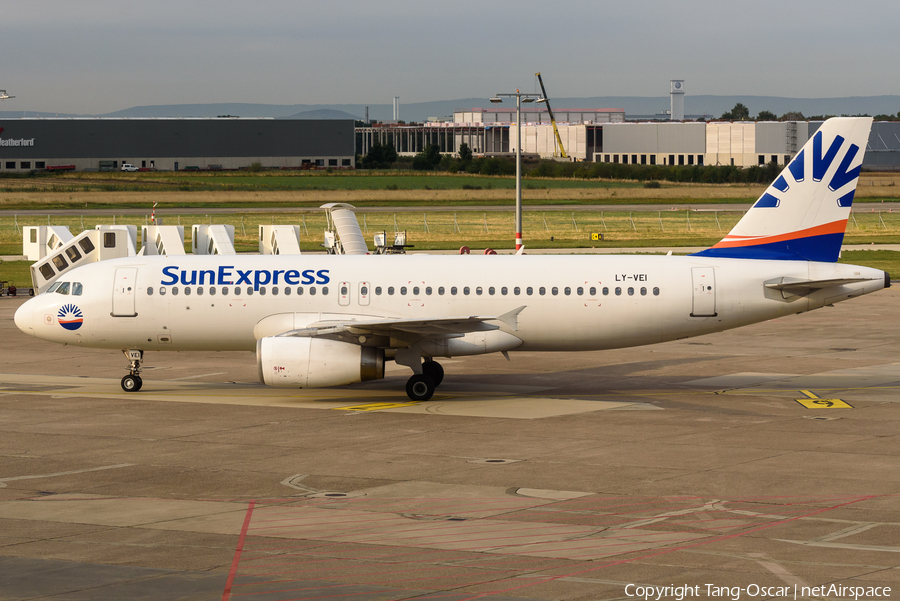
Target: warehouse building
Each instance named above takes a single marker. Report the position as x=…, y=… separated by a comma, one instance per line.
x=174, y=144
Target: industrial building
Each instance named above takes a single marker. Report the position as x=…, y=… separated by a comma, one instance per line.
x=172, y=144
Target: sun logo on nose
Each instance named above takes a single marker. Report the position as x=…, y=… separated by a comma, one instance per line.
x=70, y=317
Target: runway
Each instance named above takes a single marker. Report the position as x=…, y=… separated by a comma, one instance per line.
x=766, y=456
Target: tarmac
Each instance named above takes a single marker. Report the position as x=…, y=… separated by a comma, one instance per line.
x=764, y=458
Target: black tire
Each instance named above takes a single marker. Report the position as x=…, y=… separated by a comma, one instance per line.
x=420, y=387
x=434, y=369
x=132, y=383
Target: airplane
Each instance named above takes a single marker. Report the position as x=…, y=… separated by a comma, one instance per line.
x=4, y=95
x=318, y=321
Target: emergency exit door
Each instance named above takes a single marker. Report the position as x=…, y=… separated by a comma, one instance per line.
x=704, y=282
x=124, y=291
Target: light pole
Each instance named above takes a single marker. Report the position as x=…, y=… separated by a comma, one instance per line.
x=520, y=98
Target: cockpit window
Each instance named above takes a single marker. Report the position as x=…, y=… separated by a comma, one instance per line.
x=54, y=287
x=63, y=288
x=77, y=288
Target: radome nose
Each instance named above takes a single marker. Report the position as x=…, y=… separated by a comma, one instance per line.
x=25, y=317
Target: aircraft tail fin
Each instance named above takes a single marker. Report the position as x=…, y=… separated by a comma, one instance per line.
x=803, y=214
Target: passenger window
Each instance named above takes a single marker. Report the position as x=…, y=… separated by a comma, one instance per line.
x=73, y=254
x=428, y=290
x=63, y=288
x=187, y=290
x=47, y=271
x=656, y=292
x=580, y=291
x=378, y=290
x=542, y=291
x=605, y=291
x=300, y=291
x=77, y=288
x=86, y=245
x=592, y=291
x=390, y=290
x=312, y=290
x=491, y=291
x=162, y=291
x=441, y=290
x=554, y=291
x=212, y=290
x=630, y=291
x=59, y=262
x=174, y=290
x=618, y=291
x=504, y=291
x=249, y=290
x=567, y=291
x=344, y=291
x=529, y=291
x=199, y=290
x=402, y=290
x=415, y=291
x=517, y=291
x=453, y=290
x=364, y=290
x=479, y=290
x=224, y=290
x=287, y=291
x=466, y=290
x=262, y=291
x=325, y=290
x=643, y=292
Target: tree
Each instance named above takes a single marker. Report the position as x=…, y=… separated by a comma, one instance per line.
x=766, y=116
x=793, y=116
x=465, y=153
x=427, y=159
x=380, y=156
x=738, y=113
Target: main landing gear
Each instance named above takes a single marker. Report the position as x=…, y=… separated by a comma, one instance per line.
x=133, y=382
x=421, y=387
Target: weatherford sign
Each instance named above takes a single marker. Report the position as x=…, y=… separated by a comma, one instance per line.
x=18, y=142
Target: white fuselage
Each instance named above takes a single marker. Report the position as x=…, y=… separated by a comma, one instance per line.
x=571, y=303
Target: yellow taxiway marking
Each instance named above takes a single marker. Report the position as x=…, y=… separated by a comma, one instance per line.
x=376, y=406
x=813, y=402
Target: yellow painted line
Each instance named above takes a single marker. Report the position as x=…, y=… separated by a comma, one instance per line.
x=813, y=402
x=376, y=406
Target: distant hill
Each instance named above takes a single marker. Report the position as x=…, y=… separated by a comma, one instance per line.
x=322, y=114
x=713, y=106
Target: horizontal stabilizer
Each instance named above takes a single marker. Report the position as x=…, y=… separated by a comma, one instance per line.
x=794, y=287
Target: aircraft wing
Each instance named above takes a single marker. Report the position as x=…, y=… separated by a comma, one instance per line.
x=407, y=329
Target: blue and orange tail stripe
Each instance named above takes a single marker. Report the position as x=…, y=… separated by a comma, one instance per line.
x=820, y=243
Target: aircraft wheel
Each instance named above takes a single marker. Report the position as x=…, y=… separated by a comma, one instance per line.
x=132, y=383
x=420, y=387
x=434, y=369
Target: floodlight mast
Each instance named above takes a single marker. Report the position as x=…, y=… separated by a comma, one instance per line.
x=520, y=98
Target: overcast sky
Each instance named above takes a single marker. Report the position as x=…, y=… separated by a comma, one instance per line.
x=96, y=56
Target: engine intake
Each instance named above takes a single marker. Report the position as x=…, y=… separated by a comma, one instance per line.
x=294, y=362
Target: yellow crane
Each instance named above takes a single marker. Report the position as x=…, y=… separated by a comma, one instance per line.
x=546, y=100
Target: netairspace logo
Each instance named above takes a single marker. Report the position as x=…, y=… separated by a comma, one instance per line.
x=70, y=317
x=734, y=593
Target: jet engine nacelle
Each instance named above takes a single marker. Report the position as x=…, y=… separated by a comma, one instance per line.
x=296, y=362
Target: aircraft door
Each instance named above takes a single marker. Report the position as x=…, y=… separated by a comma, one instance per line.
x=124, y=290
x=704, y=282
x=364, y=293
x=344, y=294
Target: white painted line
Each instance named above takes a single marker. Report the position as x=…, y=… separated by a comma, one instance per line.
x=218, y=373
x=93, y=469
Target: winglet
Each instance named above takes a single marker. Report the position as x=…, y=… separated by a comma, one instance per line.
x=510, y=318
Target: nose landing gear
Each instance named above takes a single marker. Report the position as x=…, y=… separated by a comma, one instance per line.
x=133, y=382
